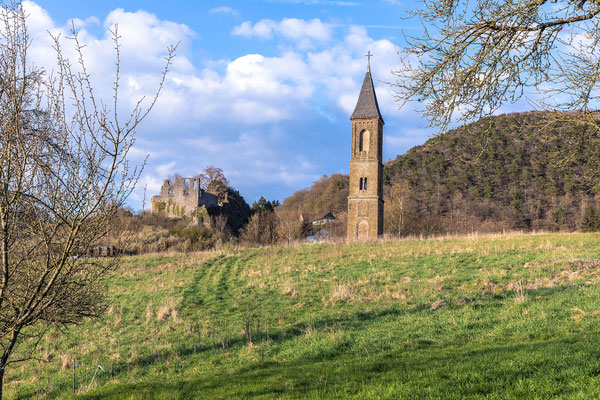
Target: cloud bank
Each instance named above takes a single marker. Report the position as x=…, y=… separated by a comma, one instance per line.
x=273, y=123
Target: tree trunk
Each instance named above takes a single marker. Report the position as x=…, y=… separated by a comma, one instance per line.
x=1, y=378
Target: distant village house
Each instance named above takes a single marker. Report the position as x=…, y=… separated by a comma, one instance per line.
x=324, y=220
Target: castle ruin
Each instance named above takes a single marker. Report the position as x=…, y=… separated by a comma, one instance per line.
x=183, y=197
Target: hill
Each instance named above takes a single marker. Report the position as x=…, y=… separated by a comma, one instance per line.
x=535, y=170
x=327, y=194
x=512, y=316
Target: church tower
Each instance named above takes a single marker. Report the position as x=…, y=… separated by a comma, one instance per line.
x=365, y=202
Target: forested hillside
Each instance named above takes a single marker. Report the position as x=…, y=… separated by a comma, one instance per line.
x=535, y=170
x=326, y=194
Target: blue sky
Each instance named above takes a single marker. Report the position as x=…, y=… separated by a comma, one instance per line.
x=261, y=88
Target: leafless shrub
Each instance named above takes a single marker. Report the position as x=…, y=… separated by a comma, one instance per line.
x=289, y=226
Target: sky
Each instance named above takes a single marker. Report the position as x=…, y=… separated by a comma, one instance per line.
x=263, y=89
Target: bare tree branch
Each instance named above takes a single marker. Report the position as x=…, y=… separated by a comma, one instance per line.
x=474, y=57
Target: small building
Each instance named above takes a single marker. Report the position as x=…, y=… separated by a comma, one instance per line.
x=182, y=197
x=324, y=219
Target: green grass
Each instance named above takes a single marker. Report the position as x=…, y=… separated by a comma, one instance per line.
x=517, y=317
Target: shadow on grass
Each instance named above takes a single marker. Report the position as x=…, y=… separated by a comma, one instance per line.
x=533, y=370
x=422, y=371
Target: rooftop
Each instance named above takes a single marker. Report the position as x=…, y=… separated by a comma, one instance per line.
x=367, y=106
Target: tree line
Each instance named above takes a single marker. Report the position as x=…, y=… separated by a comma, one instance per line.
x=521, y=171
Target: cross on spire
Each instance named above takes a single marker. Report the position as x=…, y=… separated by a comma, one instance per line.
x=369, y=55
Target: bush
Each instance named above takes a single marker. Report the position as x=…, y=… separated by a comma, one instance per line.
x=261, y=229
x=199, y=237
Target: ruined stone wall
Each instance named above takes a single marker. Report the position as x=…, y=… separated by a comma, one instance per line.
x=183, y=197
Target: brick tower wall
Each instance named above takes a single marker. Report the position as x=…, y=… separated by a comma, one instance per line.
x=365, y=206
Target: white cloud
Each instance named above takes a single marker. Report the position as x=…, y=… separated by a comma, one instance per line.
x=254, y=150
x=82, y=23
x=145, y=36
x=225, y=10
x=246, y=115
x=342, y=68
x=255, y=89
x=137, y=154
x=165, y=169
x=288, y=28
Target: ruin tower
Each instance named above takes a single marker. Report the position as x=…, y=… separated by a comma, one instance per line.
x=365, y=202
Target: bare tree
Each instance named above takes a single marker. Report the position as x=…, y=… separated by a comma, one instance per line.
x=173, y=177
x=63, y=176
x=289, y=226
x=213, y=180
x=474, y=56
x=398, y=206
x=261, y=229
x=218, y=224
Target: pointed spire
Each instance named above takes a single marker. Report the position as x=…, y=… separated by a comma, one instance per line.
x=367, y=106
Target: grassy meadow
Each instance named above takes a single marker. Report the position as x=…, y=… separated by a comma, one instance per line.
x=489, y=317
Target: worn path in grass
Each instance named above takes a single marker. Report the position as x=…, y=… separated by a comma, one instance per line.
x=499, y=317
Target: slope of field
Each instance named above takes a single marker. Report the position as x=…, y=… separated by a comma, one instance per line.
x=493, y=317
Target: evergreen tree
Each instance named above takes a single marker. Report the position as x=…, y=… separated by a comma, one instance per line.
x=264, y=205
x=590, y=221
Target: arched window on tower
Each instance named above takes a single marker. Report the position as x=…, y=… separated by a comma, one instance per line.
x=363, y=141
x=360, y=186
x=365, y=184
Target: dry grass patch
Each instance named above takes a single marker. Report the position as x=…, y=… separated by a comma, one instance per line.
x=520, y=292
x=64, y=361
x=149, y=312
x=437, y=283
x=117, y=318
x=438, y=305
x=166, y=313
x=394, y=293
x=342, y=292
x=288, y=288
x=581, y=314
